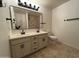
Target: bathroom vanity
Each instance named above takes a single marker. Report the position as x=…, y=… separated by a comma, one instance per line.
x=33, y=38
x=23, y=45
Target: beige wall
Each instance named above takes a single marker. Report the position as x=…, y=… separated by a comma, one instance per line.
x=47, y=18
x=4, y=32
x=66, y=31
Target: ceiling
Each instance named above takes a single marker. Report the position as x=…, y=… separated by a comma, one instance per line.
x=49, y=3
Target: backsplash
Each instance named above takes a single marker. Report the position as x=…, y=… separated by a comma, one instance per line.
x=34, y=21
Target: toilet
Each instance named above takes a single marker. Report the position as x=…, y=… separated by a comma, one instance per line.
x=53, y=37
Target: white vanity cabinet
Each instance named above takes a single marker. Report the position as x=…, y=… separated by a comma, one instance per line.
x=21, y=47
x=17, y=50
x=43, y=41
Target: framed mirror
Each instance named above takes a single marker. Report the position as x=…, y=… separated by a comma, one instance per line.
x=19, y=19
x=24, y=19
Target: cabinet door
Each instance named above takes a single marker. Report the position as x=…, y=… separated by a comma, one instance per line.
x=43, y=41
x=21, y=49
x=27, y=48
x=18, y=50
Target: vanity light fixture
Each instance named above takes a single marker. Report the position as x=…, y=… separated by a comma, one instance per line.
x=28, y=6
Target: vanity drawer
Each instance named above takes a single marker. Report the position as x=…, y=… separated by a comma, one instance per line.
x=34, y=49
x=35, y=43
x=18, y=41
x=34, y=38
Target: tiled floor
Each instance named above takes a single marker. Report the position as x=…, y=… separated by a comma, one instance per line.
x=56, y=49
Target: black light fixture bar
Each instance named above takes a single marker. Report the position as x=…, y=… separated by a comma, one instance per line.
x=27, y=6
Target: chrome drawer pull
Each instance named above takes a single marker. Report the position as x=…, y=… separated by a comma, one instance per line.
x=35, y=42
x=35, y=48
x=22, y=46
x=44, y=39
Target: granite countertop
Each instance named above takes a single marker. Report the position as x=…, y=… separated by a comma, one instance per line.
x=17, y=34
